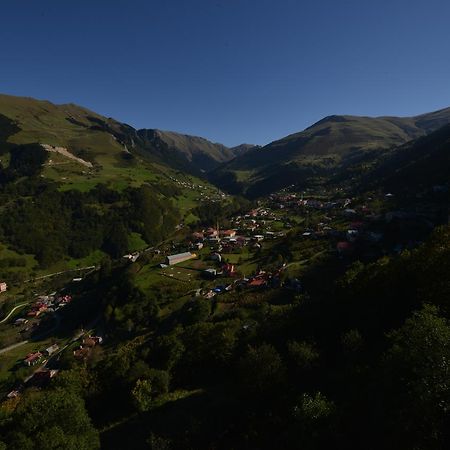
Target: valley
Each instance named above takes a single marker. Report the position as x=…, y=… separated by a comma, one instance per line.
x=183, y=293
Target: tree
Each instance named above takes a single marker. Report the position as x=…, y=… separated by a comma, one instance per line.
x=53, y=419
x=262, y=370
x=417, y=380
x=303, y=354
x=143, y=395
x=116, y=242
x=146, y=391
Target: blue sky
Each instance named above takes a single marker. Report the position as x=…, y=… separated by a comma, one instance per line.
x=232, y=71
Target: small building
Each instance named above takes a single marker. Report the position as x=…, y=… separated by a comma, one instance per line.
x=257, y=283
x=20, y=321
x=3, y=286
x=52, y=349
x=228, y=233
x=212, y=232
x=91, y=341
x=32, y=359
x=81, y=353
x=228, y=269
x=13, y=394
x=178, y=258
x=344, y=247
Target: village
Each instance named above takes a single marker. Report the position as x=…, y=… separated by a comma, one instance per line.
x=269, y=247
x=35, y=351
x=341, y=228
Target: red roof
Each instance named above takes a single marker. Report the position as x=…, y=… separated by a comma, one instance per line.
x=344, y=245
x=256, y=282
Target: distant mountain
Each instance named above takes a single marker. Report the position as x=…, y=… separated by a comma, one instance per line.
x=101, y=140
x=240, y=150
x=191, y=153
x=331, y=143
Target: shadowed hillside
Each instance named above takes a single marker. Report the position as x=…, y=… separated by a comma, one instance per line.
x=328, y=144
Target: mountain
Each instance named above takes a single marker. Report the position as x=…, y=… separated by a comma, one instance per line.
x=330, y=143
x=421, y=164
x=240, y=150
x=104, y=141
x=191, y=153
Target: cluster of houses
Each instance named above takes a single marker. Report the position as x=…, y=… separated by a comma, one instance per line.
x=206, y=195
x=43, y=374
x=292, y=200
x=48, y=303
x=35, y=357
x=260, y=281
x=86, y=346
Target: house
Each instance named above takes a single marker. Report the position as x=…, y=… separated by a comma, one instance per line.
x=211, y=232
x=257, y=282
x=32, y=359
x=3, y=286
x=13, y=394
x=52, y=349
x=132, y=257
x=20, y=321
x=178, y=258
x=210, y=294
x=228, y=233
x=228, y=269
x=91, y=341
x=81, y=353
x=344, y=247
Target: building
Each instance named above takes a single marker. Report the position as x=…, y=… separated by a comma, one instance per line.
x=228, y=233
x=3, y=286
x=20, y=321
x=344, y=248
x=228, y=269
x=91, y=341
x=178, y=258
x=52, y=349
x=32, y=359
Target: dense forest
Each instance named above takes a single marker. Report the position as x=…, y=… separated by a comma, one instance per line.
x=40, y=219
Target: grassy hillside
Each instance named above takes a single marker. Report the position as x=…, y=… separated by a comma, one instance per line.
x=93, y=167
x=112, y=147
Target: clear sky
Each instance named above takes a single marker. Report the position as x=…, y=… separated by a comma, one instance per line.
x=232, y=71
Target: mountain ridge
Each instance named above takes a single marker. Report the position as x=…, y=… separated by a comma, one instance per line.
x=71, y=126
x=328, y=144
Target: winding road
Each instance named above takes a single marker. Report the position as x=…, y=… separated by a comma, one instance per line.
x=12, y=311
